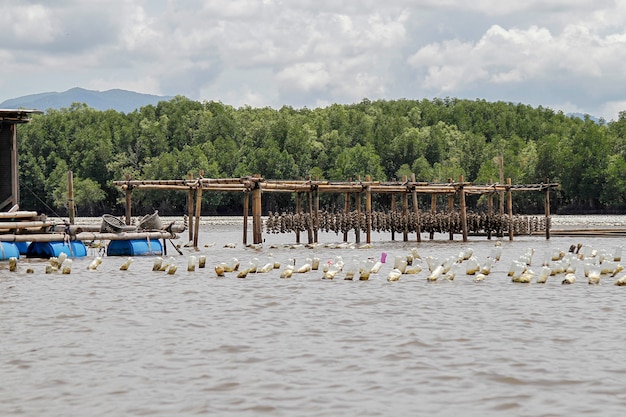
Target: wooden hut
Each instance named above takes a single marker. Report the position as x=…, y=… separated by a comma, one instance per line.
x=9, y=178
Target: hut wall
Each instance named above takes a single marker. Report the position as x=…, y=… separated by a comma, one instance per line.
x=9, y=188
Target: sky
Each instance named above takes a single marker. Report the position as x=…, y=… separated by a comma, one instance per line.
x=568, y=55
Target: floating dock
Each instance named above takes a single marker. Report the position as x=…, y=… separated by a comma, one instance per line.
x=28, y=233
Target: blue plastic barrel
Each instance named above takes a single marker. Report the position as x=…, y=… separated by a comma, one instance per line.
x=22, y=247
x=75, y=249
x=135, y=247
x=8, y=250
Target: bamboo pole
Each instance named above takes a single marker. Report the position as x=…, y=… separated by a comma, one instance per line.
x=463, y=209
x=34, y=224
x=510, y=208
x=416, y=210
x=70, y=195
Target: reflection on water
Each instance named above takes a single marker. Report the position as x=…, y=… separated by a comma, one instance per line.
x=137, y=342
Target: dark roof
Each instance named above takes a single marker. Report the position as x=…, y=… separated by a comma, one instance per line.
x=17, y=115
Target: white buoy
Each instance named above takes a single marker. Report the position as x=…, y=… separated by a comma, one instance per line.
x=171, y=268
x=413, y=269
x=266, y=268
x=376, y=267
x=219, y=270
x=306, y=267
x=544, y=274
x=287, y=272
x=13, y=264
x=93, y=265
x=434, y=276
x=394, y=275
x=158, y=261
x=315, y=263
x=593, y=275
x=202, y=261
x=191, y=263
x=66, y=266
x=472, y=266
x=569, y=279
x=479, y=277
x=126, y=264
x=451, y=273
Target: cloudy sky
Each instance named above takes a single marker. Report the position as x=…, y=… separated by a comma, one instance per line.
x=568, y=55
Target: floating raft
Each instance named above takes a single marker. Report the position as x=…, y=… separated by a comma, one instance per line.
x=27, y=233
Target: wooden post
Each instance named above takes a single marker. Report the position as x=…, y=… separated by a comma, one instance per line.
x=393, y=213
x=70, y=195
x=316, y=219
x=501, y=193
x=129, y=191
x=463, y=208
x=416, y=210
x=347, y=213
x=197, y=220
x=257, y=236
x=547, y=204
x=489, y=211
x=368, y=213
x=309, y=196
x=510, y=207
x=298, y=213
x=405, y=212
x=450, y=210
x=357, y=228
x=433, y=210
x=190, y=211
x=246, y=210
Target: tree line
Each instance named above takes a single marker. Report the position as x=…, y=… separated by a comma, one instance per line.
x=436, y=139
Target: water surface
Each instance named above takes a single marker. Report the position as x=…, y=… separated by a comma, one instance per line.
x=138, y=342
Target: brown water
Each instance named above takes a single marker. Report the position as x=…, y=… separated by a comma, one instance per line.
x=137, y=342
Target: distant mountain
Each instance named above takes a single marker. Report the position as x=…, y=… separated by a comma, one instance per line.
x=119, y=100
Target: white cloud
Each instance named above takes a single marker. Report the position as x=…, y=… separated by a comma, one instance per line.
x=312, y=52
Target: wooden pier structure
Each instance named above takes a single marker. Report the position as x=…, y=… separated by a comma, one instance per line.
x=252, y=188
